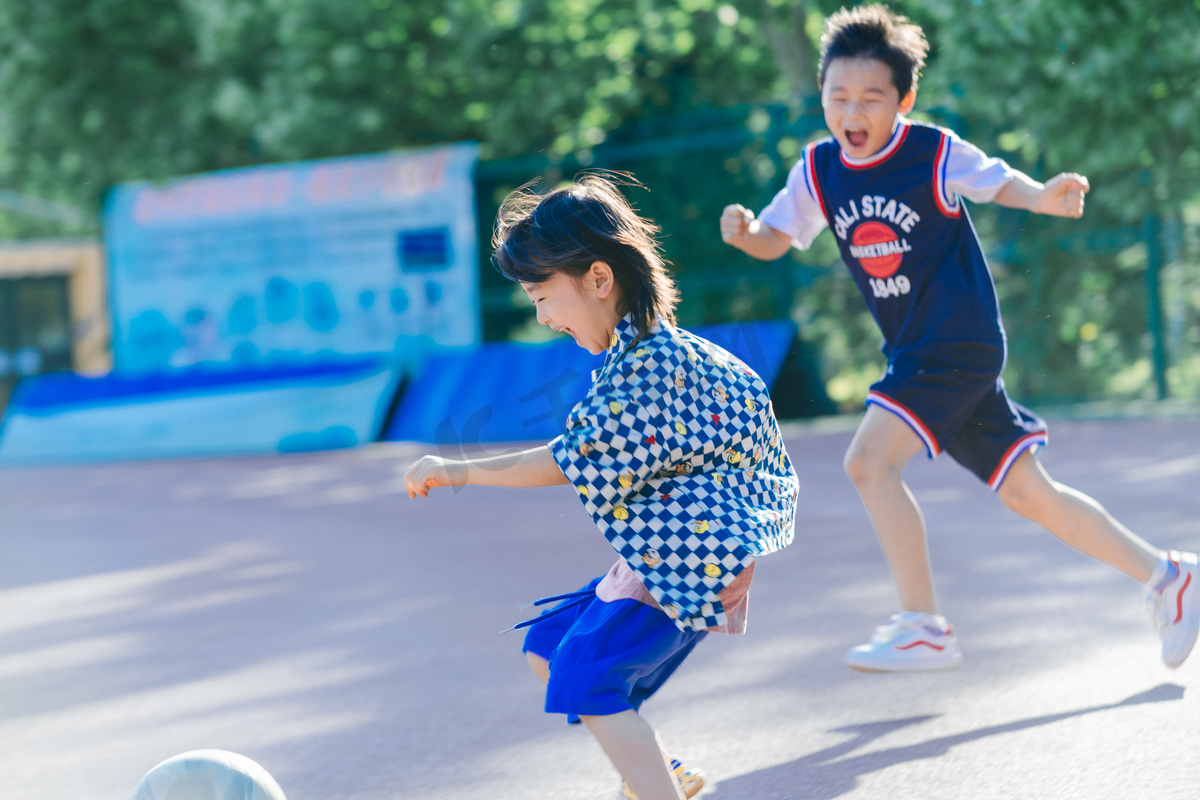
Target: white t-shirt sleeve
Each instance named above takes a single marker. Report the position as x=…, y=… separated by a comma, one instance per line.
x=795, y=210
x=974, y=175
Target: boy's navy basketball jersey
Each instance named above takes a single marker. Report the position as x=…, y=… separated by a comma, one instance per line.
x=911, y=248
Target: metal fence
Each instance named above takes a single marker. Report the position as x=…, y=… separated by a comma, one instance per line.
x=1092, y=312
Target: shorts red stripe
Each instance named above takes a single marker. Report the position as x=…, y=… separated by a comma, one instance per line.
x=914, y=422
x=1010, y=456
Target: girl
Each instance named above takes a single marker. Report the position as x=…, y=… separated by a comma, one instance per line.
x=675, y=454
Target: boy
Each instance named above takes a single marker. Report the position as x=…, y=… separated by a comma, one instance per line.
x=890, y=189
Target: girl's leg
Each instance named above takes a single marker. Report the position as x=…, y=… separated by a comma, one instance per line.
x=539, y=665
x=1076, y=519
x=541, y=668
x=633, y=747
x=882, y=446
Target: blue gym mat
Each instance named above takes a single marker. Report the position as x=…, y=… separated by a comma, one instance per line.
x=511, y=392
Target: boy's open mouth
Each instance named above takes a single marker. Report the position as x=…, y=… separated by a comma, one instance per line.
x=856, y=138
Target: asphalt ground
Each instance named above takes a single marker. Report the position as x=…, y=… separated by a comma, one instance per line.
x=302, y=611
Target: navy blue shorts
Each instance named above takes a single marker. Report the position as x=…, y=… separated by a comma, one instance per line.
x=961, y=408
x=606, y=658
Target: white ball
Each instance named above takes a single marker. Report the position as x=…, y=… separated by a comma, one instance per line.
x=207, y=775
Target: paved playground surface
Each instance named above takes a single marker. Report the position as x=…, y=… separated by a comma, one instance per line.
x=302, y=611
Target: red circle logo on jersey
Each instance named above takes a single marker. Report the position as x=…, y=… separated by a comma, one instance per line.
x=876, y=246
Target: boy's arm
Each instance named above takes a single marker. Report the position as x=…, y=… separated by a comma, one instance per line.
x=1061, y=196
x=526, y=469
x=752, y=236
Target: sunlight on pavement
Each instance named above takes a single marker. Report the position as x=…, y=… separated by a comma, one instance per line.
x=69, y=655
x=107, y=593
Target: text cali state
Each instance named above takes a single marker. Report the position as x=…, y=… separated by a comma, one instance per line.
x=875, y=206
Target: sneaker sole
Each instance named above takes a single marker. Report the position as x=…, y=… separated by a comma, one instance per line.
x=928, y=667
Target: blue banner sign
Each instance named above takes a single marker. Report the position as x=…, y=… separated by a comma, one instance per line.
x=295, y=262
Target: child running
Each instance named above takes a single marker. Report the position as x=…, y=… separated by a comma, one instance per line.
x=675, y=453
x=891, y=191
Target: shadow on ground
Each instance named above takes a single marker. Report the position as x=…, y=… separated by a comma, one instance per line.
x=834, y=771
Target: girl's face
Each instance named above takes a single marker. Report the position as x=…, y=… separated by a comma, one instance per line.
x=586, y=307
x=861, y=104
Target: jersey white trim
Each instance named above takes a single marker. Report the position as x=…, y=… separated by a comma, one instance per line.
x=810, y=177
x=947, y=201
x=797, y=209
x=970, y=173
x=892, y=146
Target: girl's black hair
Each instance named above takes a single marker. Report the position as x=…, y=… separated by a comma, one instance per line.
x=570, y=228
x=875, y=31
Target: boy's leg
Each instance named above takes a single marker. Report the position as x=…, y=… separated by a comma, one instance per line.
x=1076, y=519
x=881, y=447
x=632, y=746
x=1172, y=593
x=917, y=638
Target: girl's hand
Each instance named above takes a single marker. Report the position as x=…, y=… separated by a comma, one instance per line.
x=430, y=472
x=1063, y=196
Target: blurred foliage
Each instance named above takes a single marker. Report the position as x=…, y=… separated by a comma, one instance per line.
x=1102, y=87
x=1106, y=89
x=100, y=91
x=93, y=92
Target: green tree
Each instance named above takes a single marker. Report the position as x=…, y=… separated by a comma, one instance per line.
x=100, y=91
x=97, y=91
x=1104, y=88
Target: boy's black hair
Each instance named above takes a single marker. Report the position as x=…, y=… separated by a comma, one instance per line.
x=568, y=229
x=875, y=31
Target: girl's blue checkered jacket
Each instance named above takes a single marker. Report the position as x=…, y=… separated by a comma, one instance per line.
x=677, y=457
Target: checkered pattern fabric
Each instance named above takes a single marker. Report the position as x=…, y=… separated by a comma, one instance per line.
x=676, y=455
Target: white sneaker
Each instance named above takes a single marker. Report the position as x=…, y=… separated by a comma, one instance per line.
x=1173, y=599
x=911, y=641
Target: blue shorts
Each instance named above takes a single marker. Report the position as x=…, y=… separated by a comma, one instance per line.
x=953, y=404
x=606, y=658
